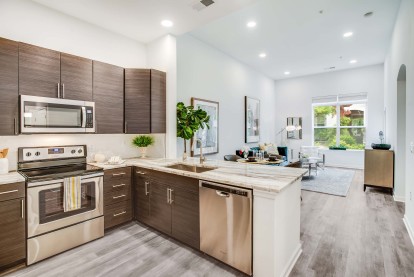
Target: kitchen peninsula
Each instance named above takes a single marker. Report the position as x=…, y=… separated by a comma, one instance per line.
x=275, y=205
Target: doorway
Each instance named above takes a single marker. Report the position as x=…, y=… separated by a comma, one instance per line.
x=400, y=149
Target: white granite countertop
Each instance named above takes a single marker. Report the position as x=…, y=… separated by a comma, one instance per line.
x=11, y=177
x=253, y=176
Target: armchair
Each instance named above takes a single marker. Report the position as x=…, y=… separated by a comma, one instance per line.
x=311, y=157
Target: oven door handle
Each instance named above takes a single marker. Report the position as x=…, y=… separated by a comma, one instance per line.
x=83, y=117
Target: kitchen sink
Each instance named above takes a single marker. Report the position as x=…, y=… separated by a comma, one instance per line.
x=191, y=168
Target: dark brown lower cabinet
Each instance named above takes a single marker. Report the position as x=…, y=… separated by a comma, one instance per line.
x=168, y=203
x=12, y=227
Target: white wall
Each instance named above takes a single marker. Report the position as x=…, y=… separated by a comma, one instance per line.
x=401, y=52
x=162, y=55
x=205, y=72
x=294, y=99
x=29, y=22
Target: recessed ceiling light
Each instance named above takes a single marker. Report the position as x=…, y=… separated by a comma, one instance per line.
x=348, y=34
x=251, y=24
x=262, y=55
x=287, y=72
x=167, y=23
x=353, y=61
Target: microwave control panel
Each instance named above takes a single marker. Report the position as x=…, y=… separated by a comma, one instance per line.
x=89, y=117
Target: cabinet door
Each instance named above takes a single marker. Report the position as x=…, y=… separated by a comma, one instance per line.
x=185, y=217
x=12, y=232
x=76, y=77
x=160, y=209
x=142, y=189
x=108, y=95
x=9, y=94
x=39, y=71
x=158, y=102
x=137, y=101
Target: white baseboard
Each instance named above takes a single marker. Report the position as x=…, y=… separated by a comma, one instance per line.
x=292, y=261
x=398, y=198
x=409, y=229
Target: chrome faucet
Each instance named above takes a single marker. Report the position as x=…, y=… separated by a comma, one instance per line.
x=202, y=158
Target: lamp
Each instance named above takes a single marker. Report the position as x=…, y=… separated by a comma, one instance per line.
x=288, y=128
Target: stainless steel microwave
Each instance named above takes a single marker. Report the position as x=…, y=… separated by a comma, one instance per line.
x=55, y=115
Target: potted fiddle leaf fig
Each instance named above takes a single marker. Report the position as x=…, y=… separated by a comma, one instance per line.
x=142, y=142
x=189, y=120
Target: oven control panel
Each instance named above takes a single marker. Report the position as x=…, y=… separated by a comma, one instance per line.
x=50, y=153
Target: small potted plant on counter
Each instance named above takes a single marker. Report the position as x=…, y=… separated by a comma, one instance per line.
x=142, y=142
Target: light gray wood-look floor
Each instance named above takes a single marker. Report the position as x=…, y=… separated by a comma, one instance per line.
x=358, y=235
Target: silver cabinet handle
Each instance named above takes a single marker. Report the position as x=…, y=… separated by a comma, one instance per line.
x=118, y=174
x=22, y=208
x=10, y=191
x=140, y=172
x=168, y=196
x=63, y=90
x=120, y=196
x=146, y=188
x=58, y=84
x=124, y=212
x=117, y=186
x=15, y=126
x=171, y=196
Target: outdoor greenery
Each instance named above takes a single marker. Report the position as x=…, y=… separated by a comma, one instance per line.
x=143, y=141
x=350, y=138
x=189, y=120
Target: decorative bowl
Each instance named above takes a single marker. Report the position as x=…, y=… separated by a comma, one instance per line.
x=381, y=146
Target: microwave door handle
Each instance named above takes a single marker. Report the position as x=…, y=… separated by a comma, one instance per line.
x=83, y=117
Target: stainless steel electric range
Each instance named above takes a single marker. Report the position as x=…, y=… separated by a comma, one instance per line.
x=51, y=230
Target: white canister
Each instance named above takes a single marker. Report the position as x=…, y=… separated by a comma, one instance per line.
x=99, y=158
x=4, y=166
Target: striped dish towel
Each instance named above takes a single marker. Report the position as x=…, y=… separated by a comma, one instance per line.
x=72, y=194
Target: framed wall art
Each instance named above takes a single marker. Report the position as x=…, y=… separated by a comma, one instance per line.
x=252, y=120
x=209, y=137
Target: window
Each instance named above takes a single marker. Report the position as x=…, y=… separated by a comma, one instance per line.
x=340, y=123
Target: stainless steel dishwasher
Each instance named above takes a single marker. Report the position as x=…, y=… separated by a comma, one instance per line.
x=226, y=224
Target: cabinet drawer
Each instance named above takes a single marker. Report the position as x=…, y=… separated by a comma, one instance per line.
x=12, y=191
x=116, y=174
x=116, y=185
x=118, y=195
x=117, y=213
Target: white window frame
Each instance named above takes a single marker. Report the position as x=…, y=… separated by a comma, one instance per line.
x=338, y=126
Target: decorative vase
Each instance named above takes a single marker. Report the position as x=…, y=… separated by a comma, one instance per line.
x=245, y=154
x=4, y=166
x=143, y=152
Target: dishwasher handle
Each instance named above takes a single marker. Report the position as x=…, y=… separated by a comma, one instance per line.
x=222, y=193
x=225, y=190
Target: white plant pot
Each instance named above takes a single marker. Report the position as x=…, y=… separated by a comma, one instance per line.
x=143, y=152
x=4, y=166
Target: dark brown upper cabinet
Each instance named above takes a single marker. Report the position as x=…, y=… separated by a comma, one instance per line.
x=158, y=102
x=39, y=71
x=76, y=77
x=108, y=95
x=137, y=101
x=9, y=93
x=48, y=73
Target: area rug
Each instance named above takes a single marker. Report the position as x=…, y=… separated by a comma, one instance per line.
x=333, y=181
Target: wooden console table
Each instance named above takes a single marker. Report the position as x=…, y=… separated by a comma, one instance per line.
x=379, y=169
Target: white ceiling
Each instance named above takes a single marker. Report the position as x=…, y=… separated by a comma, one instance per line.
x=298, y=38
x=140, y=19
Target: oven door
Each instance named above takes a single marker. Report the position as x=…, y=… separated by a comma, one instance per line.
x=52, y=115
x=45, y=205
